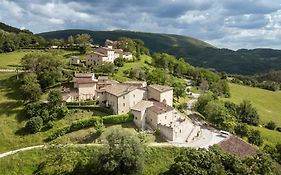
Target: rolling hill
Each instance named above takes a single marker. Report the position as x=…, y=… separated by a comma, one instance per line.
x=196, y=52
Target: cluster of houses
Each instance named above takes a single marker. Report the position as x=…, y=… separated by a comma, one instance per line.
x=100, y=55
x=151, y=105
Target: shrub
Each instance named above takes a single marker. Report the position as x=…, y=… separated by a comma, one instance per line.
x=34, y=124
x=270, y=125
x=61, y=111
x=255, y=137
x=117, y=119
x=45, y=115
x=278, y=129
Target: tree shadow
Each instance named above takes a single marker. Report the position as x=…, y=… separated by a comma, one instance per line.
x=11, y=87
x=90, y=138
x=22, y=132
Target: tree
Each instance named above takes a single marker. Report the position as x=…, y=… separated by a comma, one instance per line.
x=203, y=100
x=48, y=67
x=55, y=97
x=241, y=130
x=179, y=89
x=70, y=40
x=31, y=90
x=119, y=62
x=255, y=137
x=248, y=114
x=123, y=154
x=34, y=124
x=83, y=40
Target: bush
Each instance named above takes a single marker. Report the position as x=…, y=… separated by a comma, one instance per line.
x=61, y=111
x=241, y=129
x=254, y=137
x=117, y=119
x=278, y=129
x=34, y=124
x=270, y=125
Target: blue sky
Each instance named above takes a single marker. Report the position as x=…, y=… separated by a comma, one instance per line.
x=230, y=24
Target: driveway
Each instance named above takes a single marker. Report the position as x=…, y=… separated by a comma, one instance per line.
x=208, y=136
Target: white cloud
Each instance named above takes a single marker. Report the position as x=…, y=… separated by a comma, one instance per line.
x=224, y=23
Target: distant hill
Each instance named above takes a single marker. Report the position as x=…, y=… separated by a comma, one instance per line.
x=196, y=52
x=11, y=29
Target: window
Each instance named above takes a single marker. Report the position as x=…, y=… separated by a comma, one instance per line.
x=136, y=118
x=124, y=104
x=124, y=97
x=165, y=117
x=180, y=130
x=134, y=95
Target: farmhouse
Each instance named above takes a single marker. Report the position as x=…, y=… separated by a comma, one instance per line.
x=106, y=54
x=151, y=105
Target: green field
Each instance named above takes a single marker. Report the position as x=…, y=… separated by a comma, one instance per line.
x=267, y=103
x=12, y=59
x=157, y=159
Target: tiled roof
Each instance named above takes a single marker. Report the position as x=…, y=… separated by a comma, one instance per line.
x=237, y=146
x=100, y=54
x=160, y=108
x=84, y=75
x=84, y=81
x=142, y=105
x=160, y=88
x=118, y=89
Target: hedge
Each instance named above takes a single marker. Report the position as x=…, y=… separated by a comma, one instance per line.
x=97, y=108
x=117, y=119
x=75, y=126
x=84, y=103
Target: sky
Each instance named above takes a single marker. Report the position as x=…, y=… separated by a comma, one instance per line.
x=232, y=24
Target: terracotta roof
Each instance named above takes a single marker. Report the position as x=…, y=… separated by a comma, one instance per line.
x=237, y=146
x=117, y=89
x=84, y=75
x=160, y=108
x=142, y=105
x=160, y=88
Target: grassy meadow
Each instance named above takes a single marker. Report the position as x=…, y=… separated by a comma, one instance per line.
x=267, y=103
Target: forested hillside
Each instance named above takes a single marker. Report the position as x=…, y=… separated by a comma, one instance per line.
x=197, y=52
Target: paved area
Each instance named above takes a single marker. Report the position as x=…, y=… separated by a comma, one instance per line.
x=207, y=136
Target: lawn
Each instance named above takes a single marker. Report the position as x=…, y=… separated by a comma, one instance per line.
x=157, y=159
x=12, y=59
